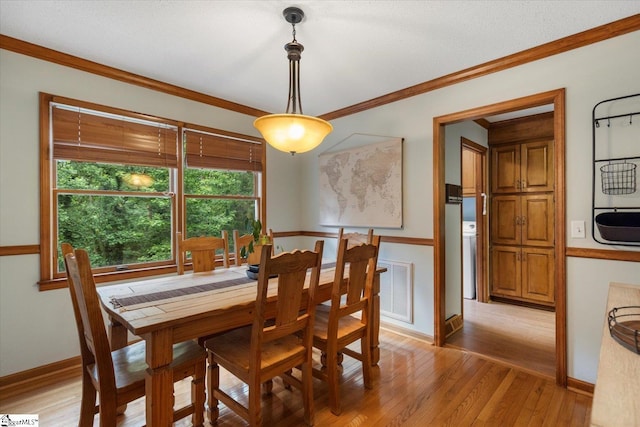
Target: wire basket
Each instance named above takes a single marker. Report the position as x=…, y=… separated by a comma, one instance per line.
x=618, y=178
x=624, y=326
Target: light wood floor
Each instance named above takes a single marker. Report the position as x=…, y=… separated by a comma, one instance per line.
x=415, y=384
x=522, y=336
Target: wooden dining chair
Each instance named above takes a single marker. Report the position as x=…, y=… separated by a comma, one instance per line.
x=203, y=252
x=243, y=240
x=118, y=376
x=347, y=319
x=355, y=238
x=271, y=346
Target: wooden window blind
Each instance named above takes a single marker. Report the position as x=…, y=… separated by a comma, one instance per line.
x=86, y=135
x=205, y=150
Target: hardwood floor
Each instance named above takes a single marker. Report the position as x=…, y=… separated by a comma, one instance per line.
x=415, y=384
x=520, y=336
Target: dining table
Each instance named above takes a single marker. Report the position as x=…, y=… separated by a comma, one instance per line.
x=172, y=309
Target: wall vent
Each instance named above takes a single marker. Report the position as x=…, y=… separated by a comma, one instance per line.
x=396, y=290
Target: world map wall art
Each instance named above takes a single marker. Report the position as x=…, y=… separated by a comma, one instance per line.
x=362, y=186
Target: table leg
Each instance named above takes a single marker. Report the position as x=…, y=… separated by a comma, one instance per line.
x=374, y=321
x=159, y=379
x=117, y=334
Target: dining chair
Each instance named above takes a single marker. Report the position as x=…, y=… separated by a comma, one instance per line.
x=271, y=346
x=355, y=238
x=243, y=240
x=346, y=319
x=118, y=377
x=203, y=251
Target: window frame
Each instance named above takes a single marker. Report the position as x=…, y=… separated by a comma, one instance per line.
x=49, y=277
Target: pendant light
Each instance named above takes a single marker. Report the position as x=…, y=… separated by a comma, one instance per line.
x=293, y=132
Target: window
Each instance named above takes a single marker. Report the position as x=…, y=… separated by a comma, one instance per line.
x=121, y=185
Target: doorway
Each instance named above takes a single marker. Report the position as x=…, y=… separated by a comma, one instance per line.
x=474, y=220
x=557, y=98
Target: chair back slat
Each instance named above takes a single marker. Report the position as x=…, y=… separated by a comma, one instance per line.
x=85, y=353
x=83, y=286
x=361, y=262
x=355, y=238
x=238, y=242
x=290, y=270
x=203, y=252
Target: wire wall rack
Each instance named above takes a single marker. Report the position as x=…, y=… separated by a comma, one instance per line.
x=616, y=159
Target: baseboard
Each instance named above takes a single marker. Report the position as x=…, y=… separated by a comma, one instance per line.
x=406, y=332
x=580, y=386
x=29, y=380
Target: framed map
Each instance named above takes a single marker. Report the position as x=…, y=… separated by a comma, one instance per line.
x=362, y=186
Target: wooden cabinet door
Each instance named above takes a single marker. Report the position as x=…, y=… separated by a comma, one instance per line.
x=538, y=274
x=536, y=220
x=536, y=167
x=505, y=271
x=505, y=220
x=505, y=168
x=468, y=172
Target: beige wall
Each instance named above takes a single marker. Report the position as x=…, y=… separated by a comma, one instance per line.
x=37, y=328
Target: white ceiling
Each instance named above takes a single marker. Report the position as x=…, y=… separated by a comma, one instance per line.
x=354, y=50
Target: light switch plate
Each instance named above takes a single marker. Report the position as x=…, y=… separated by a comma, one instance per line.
x=577, y=229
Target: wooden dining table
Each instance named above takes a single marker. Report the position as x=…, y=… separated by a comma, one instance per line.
x=172, y=309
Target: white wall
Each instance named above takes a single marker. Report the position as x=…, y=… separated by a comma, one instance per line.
x=453, y=212
x=36, y=328
x=590, y=74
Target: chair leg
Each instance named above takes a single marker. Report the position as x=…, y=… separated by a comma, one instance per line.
x=108, y=411
x=267, y=387
x=307, y=393
x=365, y=351
x=254, y=403
x=323, y=360
x=88, y=403
x=213, y=383
x=333, y=381
x=198, y=395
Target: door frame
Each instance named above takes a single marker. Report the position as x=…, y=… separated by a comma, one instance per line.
x=557, y=98
x=481, y=261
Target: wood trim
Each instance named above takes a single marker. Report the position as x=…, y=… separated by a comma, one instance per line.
x=19, y=250
x=584, y=38
x=611, y=255
x=50, y=55
x=556, y=97
x=439, y=259
x=32, y=379
x=559, y=150
x=44, y=164
x=483, y=122
x=580, y=386
x=420, y=241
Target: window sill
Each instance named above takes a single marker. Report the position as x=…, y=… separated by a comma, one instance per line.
x=61, y=283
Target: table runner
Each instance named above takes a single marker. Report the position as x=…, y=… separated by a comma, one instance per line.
x=120, y=302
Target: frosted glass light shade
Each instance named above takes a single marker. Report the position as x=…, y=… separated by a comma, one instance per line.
x=293, y=133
